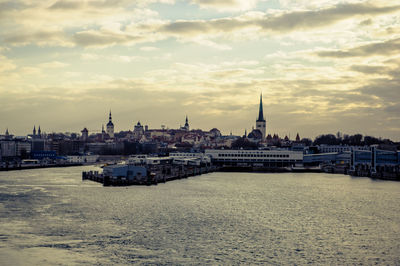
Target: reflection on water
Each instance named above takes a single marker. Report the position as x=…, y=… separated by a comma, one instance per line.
x=49, y=216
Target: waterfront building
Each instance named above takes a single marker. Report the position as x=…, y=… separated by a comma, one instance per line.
x=375, y=160
x=82, y=158
x=261, y=124
x=323, y=148
x=259, y=158
x=110, y=127
x=23, y=148
x=8, y=148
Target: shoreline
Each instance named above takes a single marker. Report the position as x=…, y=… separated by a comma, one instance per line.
x=29, y=167
x=227, y=169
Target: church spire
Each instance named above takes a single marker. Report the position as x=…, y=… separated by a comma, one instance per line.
x=260, y=111
x=109, y=118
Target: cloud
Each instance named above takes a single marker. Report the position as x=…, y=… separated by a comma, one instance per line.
x=67, y=5
x=148, y=48
x=227, y=5
x=41, y=38
x=301, y=20
x=6, y=64
x=103, y=38
x=387, y=47
x=143, y=29
x=54, y=64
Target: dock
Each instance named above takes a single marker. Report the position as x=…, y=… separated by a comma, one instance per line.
x=155, y=174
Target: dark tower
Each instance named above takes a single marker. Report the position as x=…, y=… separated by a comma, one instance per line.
x=187, y=123
x=110, y=126
x=261, y=124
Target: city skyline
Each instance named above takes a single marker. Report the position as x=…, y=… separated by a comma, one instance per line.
x=322, y=66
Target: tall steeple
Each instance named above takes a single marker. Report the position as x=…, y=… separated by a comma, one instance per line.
x=110, y=126
x=186, y=126
x=39, y=131
x=34, y=130
x=261, y=124
x=260, y=111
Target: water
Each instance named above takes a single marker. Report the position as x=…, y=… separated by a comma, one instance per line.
x=49, y=216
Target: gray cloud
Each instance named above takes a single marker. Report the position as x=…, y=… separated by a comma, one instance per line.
x=386, y=89
x=369, y=69
x=100, y=38
x=287, y=22
x=39, y=37
x=388, y=47
x=66, y=5
x=280, y=23
x=323, y=17
x=77, y=4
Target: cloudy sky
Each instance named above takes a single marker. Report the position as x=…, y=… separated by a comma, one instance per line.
x=322, y=65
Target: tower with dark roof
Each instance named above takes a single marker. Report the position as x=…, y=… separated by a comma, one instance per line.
x=261, y=124
x=110, y=126
x=187, y=123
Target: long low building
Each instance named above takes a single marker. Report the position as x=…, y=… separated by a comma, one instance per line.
x=259, y=158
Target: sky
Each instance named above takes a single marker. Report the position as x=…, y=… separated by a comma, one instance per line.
x=322, y=66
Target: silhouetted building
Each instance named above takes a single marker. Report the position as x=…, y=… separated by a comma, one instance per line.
x=261, y=123
x=110, y=127
x=186, y=126
x=85, y=134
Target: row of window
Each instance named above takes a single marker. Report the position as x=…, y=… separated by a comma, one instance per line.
x=253, y=155
x=259, y=160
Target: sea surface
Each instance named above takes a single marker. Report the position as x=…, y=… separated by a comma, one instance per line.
x=52, y=217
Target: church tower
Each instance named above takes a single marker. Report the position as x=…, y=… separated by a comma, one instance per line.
x=187, y=124
x=261, y=124
x=110, y=126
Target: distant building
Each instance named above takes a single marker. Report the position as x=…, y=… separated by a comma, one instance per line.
x=186, y=126
x=85, y=134
x=138, y=131
x=110, y=127
x=256, y=135
x=260, y=122
x=297, y=138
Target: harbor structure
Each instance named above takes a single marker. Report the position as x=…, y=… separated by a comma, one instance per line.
x=267, y=159
x=375, y=163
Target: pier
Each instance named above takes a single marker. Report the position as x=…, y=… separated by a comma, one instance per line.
x=154, y=174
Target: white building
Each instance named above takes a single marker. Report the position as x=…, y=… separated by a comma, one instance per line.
x=267, y=158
